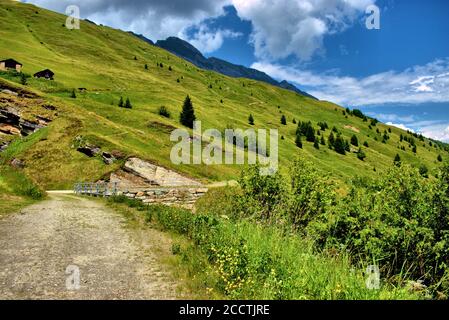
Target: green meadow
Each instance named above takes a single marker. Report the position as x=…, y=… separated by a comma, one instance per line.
x=111, y=63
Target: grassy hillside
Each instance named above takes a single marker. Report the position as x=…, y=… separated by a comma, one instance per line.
x=111, y=64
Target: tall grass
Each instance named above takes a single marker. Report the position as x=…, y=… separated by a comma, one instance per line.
x=244, y=260
x=16, y=183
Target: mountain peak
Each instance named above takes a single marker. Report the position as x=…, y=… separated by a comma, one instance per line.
x=184, y=50
x=187, y=51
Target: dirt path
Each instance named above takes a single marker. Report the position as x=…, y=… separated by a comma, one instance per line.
x=39, y=243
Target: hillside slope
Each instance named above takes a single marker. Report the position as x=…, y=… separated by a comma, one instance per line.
x=186, y=51
x=111, y=63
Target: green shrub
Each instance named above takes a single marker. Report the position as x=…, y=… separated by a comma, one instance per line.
x=400, y=221
x=261, y=194
x=163, y=111
x=310, y=194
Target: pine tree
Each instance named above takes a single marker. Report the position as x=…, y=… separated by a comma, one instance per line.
x=331, y=140
x=347, y=146
x=120, y=103
x=316, y=145
x=187, y=116
x=298, y=141
x=366, y=144
x=309, y=132
x=360, y=154
x=146, y=66
x=340, y=145
x=128, y=104
x=354, y=141
x=323, y=142
x=439, y=158
x=23, y=79
x=414, y=149
x=397, y=160
x=284, y=120
x=73, y=95
x=251, y=119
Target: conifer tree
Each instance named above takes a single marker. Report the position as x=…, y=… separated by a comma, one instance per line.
x=354, y=141
x=251, y=119
x=397, y=160
x=298, y=141
x=187, y=116
x=284, y=120
x=331, y=140
x=323, y=142
x=128, y=104
x=340, y=145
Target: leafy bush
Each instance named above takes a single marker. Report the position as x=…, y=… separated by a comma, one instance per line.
x=400, y=221
x=309, y=195
x=261, y=194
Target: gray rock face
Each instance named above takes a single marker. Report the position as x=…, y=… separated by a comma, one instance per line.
x=158, y=175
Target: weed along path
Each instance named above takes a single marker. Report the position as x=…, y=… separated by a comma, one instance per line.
x=75, y=248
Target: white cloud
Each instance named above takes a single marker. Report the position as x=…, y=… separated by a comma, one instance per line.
x=207, y=40
x=155, y=19
x=391, y=117
x=296, y=27
x=419, y=84
x=437, y=132
x=422, y=84
x=400, y=126
x=430, y=129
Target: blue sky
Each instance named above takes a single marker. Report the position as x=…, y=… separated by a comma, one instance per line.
x=399, y=73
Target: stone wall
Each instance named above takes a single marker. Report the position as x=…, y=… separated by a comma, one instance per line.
x=180, y=197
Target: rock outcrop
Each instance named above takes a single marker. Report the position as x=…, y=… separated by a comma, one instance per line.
x=22, y=113
x=157, y=175
x=153, y=184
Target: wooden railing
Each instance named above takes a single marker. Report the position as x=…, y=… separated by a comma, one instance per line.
x=96, y=189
